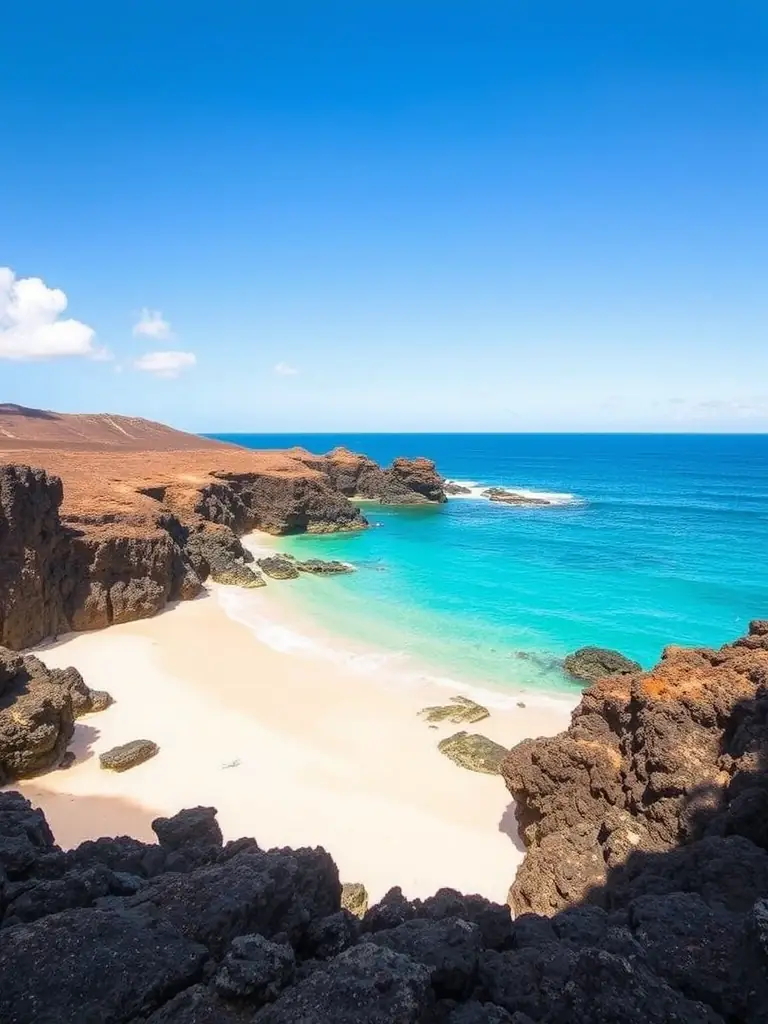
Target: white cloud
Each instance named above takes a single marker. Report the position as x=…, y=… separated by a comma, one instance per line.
x=285, y=370
x=152, y=324
x=30, y=327
x=166, y=364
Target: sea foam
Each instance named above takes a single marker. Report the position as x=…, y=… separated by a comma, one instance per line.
x=476, y=492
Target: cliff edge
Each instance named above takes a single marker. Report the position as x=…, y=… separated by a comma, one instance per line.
x=108, y=532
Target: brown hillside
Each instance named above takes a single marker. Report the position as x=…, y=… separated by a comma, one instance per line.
x=39, y=428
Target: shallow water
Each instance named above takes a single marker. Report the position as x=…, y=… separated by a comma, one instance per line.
x=656, y=539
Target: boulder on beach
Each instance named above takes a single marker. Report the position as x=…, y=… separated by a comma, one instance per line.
x=238, y=575
x=38, y=708
x=475, y=752
x=460, y=711
x=590, y=664
x=128, y=755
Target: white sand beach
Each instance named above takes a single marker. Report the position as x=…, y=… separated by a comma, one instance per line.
x=290, y=748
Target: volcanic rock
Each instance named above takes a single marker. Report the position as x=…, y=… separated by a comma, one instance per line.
x=478, y=753
x=128, y=755
x=256, y=969
x=450, y=948
x=320, y=567
x=651, y=761
x=367, y=983
x=279, y=567
x=38, y=708
x=92, y=965
x=591, y=664
x=505, y=497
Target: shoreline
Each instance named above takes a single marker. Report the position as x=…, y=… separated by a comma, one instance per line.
x=279, y=617
x=291, y=748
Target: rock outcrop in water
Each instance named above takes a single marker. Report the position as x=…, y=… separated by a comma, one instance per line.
x=591, y=664
x=130, y=530
x=406, y=482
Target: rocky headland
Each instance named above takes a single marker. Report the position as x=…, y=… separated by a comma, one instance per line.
x=110, y=527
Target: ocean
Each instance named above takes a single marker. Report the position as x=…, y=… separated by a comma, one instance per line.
x=655, y=539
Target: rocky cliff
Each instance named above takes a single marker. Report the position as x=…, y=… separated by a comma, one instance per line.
x=671, y=759
x=94, y=538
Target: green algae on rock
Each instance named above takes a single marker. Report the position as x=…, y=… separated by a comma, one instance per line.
x=475, y=752
x=279, y=567
x=461, y=710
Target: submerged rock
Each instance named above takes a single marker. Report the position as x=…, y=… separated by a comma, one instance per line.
x=475, y=752
x=590, y=664
x=279, y=567
x=319, y=567
x=354, y=898
x=452, y=488
x=128, y=755
x=461, y=710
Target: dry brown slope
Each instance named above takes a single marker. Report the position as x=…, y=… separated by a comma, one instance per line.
x=22, y=428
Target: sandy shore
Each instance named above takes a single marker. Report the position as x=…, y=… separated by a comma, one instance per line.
x=290, y=749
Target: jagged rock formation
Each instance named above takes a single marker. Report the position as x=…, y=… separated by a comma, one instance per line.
x=38, y=708
x=195, y=931
x=406, y=482
x=668, y=760
x=590, y=664
x=130, y=530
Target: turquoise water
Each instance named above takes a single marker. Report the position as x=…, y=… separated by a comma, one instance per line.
x=659, y=539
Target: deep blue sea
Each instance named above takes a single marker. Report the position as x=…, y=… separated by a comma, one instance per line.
x=657, y=539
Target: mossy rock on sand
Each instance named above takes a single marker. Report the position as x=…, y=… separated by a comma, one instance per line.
x=461, y=710
x=354, y=898
x=237, y=575
x=279, y=567
x=128, y=755
x=477, y=753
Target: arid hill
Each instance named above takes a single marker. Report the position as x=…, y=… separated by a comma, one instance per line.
x=39, y=428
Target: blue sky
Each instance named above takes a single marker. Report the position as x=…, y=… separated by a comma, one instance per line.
x=440, y=215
